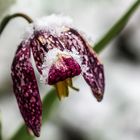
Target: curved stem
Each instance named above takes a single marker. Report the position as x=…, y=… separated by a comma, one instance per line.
x=6, y=20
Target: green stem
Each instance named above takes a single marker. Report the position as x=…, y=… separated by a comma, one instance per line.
x=116, y=29
x=6, y=20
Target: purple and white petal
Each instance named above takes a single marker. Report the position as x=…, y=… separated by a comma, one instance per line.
x=93, y=73
x=92, y=69
x=38, y=53
x=41, y=44
x=26, y=89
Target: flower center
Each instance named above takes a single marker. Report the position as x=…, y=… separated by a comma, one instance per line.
x=59, y=65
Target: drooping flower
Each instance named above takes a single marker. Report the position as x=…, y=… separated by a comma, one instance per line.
x=60, y=52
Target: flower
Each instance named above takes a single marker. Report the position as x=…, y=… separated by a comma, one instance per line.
x=60, y=52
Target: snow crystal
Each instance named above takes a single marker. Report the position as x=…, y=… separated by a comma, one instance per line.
x=55, y=24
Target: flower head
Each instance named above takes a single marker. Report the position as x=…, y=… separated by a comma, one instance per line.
x=60, y=53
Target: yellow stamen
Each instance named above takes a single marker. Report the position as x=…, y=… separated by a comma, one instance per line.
x=70, y=84
x=62, y=89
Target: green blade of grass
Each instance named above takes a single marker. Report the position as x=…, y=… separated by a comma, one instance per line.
x=117, y=28
x=48, y=103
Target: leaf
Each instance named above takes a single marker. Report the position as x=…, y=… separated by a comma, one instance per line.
x=117, y=28
x=48, y=103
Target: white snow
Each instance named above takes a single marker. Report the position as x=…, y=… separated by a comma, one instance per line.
x=55, y=24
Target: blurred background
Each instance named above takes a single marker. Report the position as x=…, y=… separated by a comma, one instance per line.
x=80, y=117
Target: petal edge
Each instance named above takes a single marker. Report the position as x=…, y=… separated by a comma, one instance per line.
x=26, y=89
